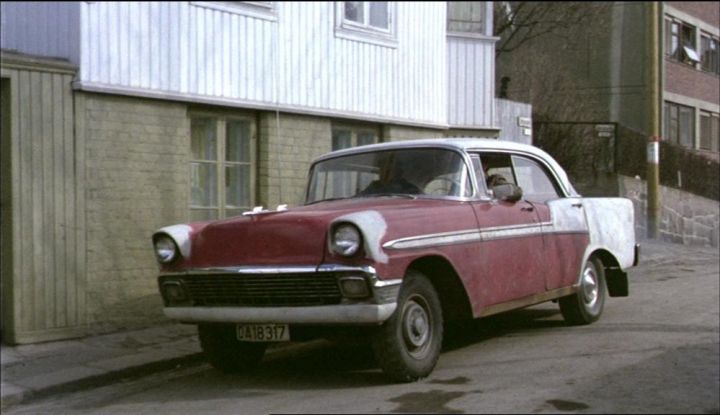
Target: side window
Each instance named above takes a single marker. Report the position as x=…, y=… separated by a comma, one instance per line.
x=534, y=181
x=497, y=169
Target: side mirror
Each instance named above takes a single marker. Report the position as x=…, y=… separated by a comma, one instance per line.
x=507, y=192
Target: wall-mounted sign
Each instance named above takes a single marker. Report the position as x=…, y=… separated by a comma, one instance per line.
x=605, y=128
x=524, y=122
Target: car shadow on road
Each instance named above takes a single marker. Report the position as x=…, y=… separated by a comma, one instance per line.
x=330, y=365
x=465, y=333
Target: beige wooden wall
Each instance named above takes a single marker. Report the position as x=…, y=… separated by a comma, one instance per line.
x=44, y=262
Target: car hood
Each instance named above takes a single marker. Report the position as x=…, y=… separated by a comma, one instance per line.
x=298, y=236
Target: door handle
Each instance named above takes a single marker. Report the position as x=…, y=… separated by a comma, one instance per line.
x=527, y=209
x=577, y=205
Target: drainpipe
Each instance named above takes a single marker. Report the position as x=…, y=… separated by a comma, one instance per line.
x=653, y=119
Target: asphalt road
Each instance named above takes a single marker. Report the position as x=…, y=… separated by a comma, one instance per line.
x=653, y=352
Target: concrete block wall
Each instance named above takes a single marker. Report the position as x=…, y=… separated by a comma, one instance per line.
x=402, y=133
x=686, y=218
x=287, y=145
x=136, y=182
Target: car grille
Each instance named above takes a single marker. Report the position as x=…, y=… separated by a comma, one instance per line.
x=262, y=290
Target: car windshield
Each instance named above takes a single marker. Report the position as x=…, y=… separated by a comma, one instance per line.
x=424, y=171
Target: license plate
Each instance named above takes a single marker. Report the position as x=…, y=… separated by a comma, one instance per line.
x=263, y=332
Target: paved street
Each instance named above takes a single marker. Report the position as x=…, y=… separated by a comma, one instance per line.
x=653, y=352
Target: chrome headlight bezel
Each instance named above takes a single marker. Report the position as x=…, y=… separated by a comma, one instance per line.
x=345, y=240
x=166, y=250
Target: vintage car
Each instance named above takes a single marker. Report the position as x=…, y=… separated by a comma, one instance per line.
x=393, y=241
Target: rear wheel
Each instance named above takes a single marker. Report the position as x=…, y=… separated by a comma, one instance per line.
x=225, y=352
x=586, y=306
x=407, y=345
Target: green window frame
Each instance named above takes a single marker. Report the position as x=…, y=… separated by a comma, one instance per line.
x=222, y=166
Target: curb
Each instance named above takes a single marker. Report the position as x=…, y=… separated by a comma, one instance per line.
x=17, y=394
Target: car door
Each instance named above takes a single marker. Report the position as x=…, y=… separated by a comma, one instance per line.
x=511, y=242
x=562, y=219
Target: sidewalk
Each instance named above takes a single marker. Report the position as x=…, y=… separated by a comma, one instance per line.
x=38, y=370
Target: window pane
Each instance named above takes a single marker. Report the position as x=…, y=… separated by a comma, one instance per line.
x=197, y=215
x=237, y=188
x=686, y=124
x=674, y=40
x=354, y=11
x=203, y=139
x=533, y=180
x=203, y=184
x=341, y=139
x=705, y=131
x=379, y=14
x=365, y=139
x=237, y=145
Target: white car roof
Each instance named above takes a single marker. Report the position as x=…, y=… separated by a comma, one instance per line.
x=463, y=144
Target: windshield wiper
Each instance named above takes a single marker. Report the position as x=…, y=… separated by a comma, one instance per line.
x=327, y=200
x=405, y=195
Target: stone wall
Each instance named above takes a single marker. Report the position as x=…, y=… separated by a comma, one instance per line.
x=136, y=182
x=686, y=218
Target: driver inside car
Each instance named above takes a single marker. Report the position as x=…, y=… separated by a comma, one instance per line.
x=391, y=180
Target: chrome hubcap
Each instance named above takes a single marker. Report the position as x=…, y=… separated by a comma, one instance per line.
x=416, y=327
x=590, y=286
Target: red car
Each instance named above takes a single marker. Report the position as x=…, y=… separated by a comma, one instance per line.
x=393, y=241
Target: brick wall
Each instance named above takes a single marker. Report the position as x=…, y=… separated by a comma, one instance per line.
x=285, y=154
x=686, y=80
x=136, y=182
x=686, y=218
x=707, y=11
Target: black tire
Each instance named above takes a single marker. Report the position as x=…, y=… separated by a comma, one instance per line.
x=586, y=306
x=225, y=352
x=407, y=345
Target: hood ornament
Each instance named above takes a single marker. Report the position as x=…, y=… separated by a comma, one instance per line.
x=259, y=210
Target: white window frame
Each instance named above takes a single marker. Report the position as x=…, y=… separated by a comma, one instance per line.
x=266, y=10
x=363, y=32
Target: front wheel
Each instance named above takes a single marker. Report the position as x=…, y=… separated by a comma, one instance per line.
x=407, y=345
x=586, y=306
x=225, y=352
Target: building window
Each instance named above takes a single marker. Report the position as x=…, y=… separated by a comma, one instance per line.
x=680, y=41
x=679, y=124
x=366, y=21
x=346, y=137
x=221, y=167
x=261, y=9
x=709, y=131
x=709, y=54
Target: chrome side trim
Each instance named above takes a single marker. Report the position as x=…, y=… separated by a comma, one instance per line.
x=332, y=314
x=527, y=301
x=470, y=235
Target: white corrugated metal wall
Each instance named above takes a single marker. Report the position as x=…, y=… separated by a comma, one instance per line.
x=186, y=50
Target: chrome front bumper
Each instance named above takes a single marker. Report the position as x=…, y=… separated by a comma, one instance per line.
x=375, y=309
x=328, y=314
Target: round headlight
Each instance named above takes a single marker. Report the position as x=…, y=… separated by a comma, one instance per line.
x=346, y=240
x=165, y=249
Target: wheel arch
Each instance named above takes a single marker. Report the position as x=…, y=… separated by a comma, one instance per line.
x=615, y=278
x=448, y=285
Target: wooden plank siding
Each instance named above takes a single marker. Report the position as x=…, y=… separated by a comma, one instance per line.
x=295, y=62
x=47, y=276
x=471, y=83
